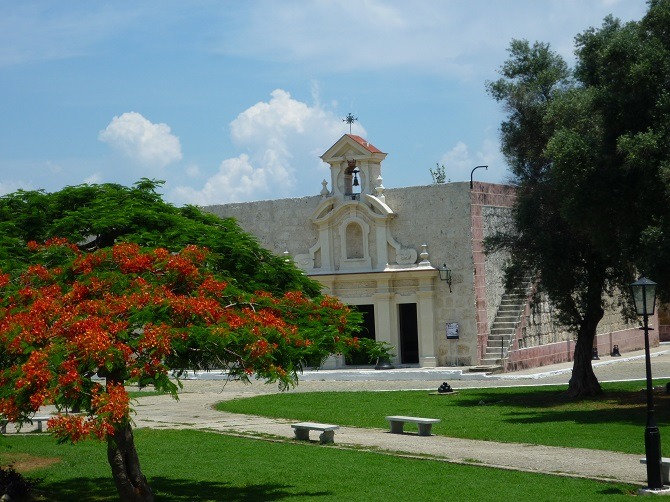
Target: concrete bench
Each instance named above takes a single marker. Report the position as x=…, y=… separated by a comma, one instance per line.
x=327, y=431
x=425, y=424
x=665, y=468
x=40, y=420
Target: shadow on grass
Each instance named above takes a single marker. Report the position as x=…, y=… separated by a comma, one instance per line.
x=544, y=405
x=616, y=491
x=83, y=489
x=604, y=417
x=173, y=490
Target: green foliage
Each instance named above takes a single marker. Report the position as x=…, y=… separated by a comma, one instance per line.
x=147, y=289
x=369, y=351
x=97, y=216
x=439, y=175
x=589, y=151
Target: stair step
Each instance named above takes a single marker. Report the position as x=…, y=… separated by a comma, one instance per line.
x=503, y=328
x=498, y=340
x=500, y=332
x=504, y=325
x=499, y=343
x=510, y=308
x=485, y=368
x=506, y=335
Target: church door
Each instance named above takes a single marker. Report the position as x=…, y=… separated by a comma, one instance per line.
x=409, y=333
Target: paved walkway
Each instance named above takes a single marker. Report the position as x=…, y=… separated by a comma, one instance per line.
x=194, y=411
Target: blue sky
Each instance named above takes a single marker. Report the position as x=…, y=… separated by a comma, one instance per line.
x=236, y=100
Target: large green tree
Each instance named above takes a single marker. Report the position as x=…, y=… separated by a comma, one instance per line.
x=74, y=335
x=588, y=150
x=103, y=286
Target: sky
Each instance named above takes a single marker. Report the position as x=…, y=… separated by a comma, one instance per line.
x=233, y=101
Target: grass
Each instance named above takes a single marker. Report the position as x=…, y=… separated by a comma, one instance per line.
x=193, y=466
x=537, y=415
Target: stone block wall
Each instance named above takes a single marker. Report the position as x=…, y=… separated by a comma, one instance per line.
x=280, y=225
x=539, y=325
x=439, y=216
x=542, y=341
x=436, y=215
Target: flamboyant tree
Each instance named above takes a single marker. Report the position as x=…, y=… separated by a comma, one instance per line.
x=77, y=327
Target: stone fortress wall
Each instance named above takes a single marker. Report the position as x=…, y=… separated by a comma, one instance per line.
x=452, y=221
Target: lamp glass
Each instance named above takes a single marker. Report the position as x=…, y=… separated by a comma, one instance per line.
x=644, y=296
x=445, y=273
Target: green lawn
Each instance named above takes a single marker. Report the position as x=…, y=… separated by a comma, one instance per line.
x=538, y=415
x=190, y=466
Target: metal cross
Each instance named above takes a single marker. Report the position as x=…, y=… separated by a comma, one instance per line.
x=349, y=119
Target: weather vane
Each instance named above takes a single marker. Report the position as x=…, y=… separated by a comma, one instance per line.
x=349, y=119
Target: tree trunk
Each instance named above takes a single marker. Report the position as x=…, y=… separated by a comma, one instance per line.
x=583, y=381
x=122, y=456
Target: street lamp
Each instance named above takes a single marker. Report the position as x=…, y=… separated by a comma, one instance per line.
x=445, y=274
x=644, y=296
x=472, y=184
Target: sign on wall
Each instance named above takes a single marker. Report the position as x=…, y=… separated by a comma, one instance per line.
x=452, y=330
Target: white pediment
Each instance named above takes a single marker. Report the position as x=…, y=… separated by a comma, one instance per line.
x=350, y=147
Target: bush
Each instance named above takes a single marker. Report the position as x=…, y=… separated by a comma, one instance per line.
x=368, y=351
x=13, y=486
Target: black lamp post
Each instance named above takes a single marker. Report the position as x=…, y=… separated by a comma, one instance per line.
x=472, y=183
x=644, y=296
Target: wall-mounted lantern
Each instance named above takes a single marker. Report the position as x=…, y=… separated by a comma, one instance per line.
x=445, y=274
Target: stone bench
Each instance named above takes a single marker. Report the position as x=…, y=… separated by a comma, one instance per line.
x=40, y=420
x=665, y=468
x=425, y=424
x=327, y=431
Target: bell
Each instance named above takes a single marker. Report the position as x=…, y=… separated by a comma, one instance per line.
x=615, y=351
x=355, y=179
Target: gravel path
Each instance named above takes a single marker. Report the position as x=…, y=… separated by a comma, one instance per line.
x=194, y=411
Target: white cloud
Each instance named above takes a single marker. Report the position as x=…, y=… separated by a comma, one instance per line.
x=94, y=178
x=236, y=180
x=283, y=138
x=451, y=38
x=192, y=170
x=141, y=140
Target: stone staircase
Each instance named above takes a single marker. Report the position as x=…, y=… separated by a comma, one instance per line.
x=504, y=326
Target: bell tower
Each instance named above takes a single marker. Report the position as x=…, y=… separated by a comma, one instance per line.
x=355, y=167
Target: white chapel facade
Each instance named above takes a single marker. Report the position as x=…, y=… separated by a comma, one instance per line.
x=381, y=250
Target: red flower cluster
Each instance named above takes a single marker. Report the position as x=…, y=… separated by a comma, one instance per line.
x=125, y=314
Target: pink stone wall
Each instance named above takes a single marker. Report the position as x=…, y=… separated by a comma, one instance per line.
x=484, y=194
x=628, y=340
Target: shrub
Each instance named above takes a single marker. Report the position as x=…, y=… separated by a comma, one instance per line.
x=13, y=486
